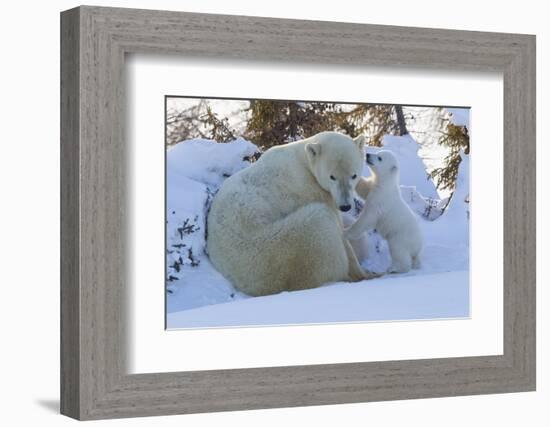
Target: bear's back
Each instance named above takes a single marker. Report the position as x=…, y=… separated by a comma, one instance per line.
x=276, y=185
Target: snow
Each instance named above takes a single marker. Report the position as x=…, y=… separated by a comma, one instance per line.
x=195, y=170
x=412, y=171
x=207, y=161
x=185, y=221
x=424, y=206
x=425, y=125
x=395, y=298
x=452, y=229
x=198, y=296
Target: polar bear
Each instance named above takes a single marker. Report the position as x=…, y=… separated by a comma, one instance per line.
x=387, y=212
x=275, y=226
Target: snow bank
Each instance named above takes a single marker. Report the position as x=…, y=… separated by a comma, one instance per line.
x=207, y=161
x=185, y=222
x=412, y=171
x=195, y=170
x=453, y=227
x=425, y=207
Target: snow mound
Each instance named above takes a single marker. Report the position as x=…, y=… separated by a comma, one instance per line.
x=427, y=208
x=452, y=228
x=195, y=170
x=185, y=223
x=207, y=161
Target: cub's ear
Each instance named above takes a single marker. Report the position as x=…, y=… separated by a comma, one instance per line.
x=393, y=169
x=313, y=150
x=360, y=141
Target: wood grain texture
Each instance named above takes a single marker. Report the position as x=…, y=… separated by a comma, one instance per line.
x=95, y=274
x=70, y=292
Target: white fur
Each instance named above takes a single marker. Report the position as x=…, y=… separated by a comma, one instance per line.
x=361, y=245
x=386, y=212
x=275, y=226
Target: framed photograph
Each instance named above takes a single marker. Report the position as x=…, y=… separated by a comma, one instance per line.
x=262, y=213
x=409, y=184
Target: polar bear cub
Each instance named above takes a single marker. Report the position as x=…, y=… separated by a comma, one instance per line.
x=387, y=212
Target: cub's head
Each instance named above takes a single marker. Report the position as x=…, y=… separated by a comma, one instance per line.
x=336, y=161
x=383, y=164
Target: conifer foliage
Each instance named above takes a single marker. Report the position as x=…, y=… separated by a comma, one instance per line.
x=457, y=139
x=268, y=123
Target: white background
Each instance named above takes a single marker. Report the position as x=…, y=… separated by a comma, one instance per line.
x=154, y=350
x=29, y=180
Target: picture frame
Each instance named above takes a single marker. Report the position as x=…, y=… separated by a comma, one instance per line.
x=94, y=381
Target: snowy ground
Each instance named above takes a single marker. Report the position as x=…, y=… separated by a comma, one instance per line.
x=393, y=298
x=198, y=296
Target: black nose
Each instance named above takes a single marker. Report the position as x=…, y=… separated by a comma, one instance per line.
x=368, y=155
x=345, y=208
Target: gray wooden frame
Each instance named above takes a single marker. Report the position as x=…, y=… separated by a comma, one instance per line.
x=94, y=41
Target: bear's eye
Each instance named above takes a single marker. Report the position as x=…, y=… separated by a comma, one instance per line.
x=379, y=158
x=332, y=177
x=354, y=176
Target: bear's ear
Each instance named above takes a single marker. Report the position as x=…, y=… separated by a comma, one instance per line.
x=360, y=141
x=313, y=149
x=393, y=169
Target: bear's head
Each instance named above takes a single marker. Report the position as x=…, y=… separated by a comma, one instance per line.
x=336, y=162
x=383, y=165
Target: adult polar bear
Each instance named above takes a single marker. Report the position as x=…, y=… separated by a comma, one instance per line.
x=275, y=226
